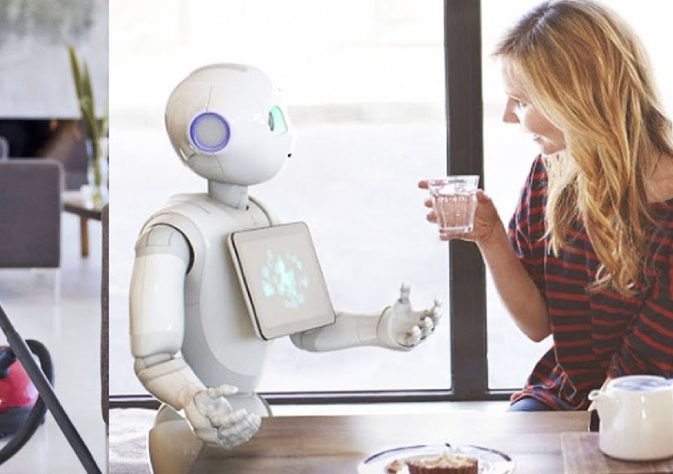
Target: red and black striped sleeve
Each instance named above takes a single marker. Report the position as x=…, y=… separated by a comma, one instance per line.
x=647, y=347
x=526, y=227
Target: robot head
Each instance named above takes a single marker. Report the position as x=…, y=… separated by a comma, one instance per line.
x=228, y=124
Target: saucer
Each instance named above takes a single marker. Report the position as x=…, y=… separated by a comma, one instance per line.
x=490, y=460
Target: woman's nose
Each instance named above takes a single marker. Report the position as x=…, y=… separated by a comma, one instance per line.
x=508, y=115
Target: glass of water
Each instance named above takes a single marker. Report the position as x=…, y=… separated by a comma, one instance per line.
x=455, y=202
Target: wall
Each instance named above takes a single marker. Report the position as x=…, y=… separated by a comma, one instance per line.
x=36, y=77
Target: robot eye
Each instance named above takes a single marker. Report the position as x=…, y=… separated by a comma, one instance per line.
x=277, y=120
x=209, y=132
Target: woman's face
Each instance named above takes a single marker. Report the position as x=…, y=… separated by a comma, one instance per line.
x=519, y=109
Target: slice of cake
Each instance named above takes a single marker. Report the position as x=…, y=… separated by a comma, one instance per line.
x=396, y=466
x=444, y=463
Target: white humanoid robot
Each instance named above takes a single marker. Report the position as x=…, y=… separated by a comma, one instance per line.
x=193, y=341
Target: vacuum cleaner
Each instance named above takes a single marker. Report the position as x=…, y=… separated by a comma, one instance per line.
x=26, y=393
x=21, y=409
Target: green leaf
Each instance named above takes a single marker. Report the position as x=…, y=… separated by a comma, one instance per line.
x=74, y=65
x=85, y=100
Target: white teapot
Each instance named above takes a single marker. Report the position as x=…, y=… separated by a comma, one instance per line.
x=636, y=413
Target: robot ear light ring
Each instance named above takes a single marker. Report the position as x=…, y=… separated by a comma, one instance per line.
x=209, y=132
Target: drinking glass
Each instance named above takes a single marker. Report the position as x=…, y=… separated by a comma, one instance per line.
x=455, y=202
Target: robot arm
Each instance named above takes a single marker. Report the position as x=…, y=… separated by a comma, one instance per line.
x=157, y=313
x=397, y=327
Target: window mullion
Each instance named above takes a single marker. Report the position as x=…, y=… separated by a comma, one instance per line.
x=465, y=155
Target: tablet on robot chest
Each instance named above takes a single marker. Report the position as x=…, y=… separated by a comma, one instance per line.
x=281, y=279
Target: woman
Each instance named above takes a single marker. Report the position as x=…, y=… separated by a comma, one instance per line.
x=588, y=254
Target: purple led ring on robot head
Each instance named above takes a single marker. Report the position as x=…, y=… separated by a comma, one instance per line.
x=193, y=135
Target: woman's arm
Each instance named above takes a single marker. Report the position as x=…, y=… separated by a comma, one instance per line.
x=516, y=288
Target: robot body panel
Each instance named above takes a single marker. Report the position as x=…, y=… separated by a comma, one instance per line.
x=161, y=262
x=219, y=341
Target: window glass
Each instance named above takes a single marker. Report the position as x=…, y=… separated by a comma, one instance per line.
x=508, y=155
x=363, y=82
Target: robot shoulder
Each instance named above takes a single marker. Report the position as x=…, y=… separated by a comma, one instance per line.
x=164, y=239
x=177, y=229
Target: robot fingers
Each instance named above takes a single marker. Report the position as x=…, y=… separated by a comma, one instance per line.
x=434, y=314
x=222, y=390
x=228, y=420
x=427, y=326
x=239, y=431
x=405, y=289
x=428, y=319
x=225, y=420
x=411, y=338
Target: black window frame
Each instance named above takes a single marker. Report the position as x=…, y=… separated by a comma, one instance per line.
x=467, y=277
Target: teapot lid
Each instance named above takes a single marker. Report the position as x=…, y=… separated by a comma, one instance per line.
x=640, y=383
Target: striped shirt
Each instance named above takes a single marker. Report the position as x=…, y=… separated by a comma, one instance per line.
x=596, y=334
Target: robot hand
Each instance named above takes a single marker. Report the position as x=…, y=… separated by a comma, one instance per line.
x=214, y=421
x=400, y=328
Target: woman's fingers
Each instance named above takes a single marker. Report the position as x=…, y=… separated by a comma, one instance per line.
x=482, y=197
x=432, y=217
x=428, y=203
x=451, y=235
x=423, y=184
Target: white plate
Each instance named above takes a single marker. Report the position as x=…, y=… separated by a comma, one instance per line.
x=490, y=460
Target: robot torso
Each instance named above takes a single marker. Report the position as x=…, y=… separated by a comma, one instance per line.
x=220, y=343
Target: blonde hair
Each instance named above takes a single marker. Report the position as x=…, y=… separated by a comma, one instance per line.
x=586, y=71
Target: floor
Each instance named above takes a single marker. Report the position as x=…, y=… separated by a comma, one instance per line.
x=69, y=325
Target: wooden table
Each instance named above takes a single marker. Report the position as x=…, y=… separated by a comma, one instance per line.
x=337, y=444
x=75, y=203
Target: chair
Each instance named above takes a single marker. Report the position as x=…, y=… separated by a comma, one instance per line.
x=67, y=146
x=4, y=148
x=30, y=213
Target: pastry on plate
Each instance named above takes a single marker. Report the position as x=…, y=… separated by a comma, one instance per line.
x=444, y=463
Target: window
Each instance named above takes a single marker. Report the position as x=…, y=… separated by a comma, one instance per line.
x=508, y=155
x=364, y=85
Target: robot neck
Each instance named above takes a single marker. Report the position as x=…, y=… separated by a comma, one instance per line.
x=232, y=195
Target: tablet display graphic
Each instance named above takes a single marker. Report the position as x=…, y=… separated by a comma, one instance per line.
x=283, y=277
x=283, y=283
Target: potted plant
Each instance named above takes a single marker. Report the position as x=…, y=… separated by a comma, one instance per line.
x=94, y=129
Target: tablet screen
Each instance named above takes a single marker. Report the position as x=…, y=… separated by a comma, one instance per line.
x=281, y=278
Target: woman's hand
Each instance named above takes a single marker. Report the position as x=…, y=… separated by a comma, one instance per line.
x=486, y=219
